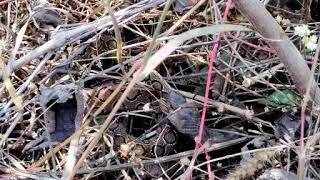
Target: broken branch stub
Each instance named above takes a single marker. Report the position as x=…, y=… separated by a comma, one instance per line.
x=288, y=54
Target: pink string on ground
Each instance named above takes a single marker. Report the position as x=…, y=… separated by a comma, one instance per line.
x=205, y=104
x=267, y=49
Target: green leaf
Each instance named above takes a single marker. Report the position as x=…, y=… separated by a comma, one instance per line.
x=282, y=98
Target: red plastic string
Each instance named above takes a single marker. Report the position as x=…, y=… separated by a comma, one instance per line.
x=207, y=90
x=263, y=48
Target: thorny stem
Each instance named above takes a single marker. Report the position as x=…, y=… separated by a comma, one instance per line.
x=302, y=153
x=207, y=90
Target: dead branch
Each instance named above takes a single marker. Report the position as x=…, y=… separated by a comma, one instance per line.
x=288, y=54
x=67, y=36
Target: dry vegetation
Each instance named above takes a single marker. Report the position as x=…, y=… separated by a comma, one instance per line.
x=124, y=89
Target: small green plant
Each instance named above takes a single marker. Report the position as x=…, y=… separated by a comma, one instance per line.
x=286, y=98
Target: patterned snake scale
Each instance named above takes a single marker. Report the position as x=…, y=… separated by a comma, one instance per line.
x=163, y=99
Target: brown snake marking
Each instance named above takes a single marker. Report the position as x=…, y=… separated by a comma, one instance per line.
x=153, y=92
x=164, y=102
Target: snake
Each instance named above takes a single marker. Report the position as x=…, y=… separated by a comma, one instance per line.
x=156, y=93
x=171, y=112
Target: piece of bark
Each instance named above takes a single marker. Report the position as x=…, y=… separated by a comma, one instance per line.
x=63, y=107
x=65, y=116
x=288, y=54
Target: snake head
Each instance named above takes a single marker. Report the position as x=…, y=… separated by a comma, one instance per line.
x=186, y=119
